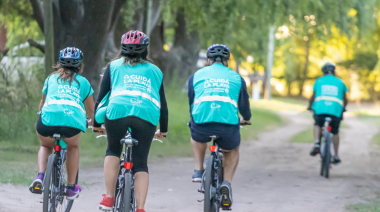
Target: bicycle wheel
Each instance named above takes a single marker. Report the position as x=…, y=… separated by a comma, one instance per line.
x=49, y=192
x=327, y=154
x=128, y=199
x=208, y=185
x=119, y=193
x=119, y=206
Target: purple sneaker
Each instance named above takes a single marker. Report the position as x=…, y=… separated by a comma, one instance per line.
x=73, y=194
x=36, y=186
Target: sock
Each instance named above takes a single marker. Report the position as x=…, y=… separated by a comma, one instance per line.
x=317, y=142
x=41, y=173
x=72, y=187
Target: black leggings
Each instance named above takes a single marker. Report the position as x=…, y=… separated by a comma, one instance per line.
x=141, y=130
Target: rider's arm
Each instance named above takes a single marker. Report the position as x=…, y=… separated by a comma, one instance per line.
x=164, y=113
x=311, y=100
x=243, y=102
x=190, y=91
x=105, y=87
x=42, y=102
x=89, y=104
x=345, y=101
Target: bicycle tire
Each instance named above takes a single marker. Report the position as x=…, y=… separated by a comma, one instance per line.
x=327, y=154
x=48, y=196
x=208, y=181
x=322, y=159
x=128, y=198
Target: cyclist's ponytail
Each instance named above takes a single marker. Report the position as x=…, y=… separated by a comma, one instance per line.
x=133, y=59
x=68, y=73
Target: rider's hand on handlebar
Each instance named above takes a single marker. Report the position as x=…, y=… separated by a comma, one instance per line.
x=309, y=108
x=100, y=130
x=244, y=122
x=159, y=134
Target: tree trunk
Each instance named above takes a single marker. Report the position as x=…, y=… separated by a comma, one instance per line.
x=183, y=56
x=271, y=44
x=3, y=37
x=306, y=67
x=289, y=87
x=84, y=24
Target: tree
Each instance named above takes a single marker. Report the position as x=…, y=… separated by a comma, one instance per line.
x=85, y=24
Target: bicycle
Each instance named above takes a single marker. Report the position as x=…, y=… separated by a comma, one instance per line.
x=55, y=184
x=213, y=178
x=326, y=147
x=124, y=194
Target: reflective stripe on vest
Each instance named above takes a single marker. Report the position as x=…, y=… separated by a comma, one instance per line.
x=329, y=98
x=136, y=93
x=64, y=102
x=215, y=98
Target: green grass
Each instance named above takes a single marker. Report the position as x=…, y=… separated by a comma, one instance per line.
x=18, y=163
x=281, y=104
x=362, y=207
x=305, y=136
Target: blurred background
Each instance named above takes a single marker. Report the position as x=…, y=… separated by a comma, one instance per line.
x=278, y=46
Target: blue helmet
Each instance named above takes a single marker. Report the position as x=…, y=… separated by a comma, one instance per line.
x=70, y=57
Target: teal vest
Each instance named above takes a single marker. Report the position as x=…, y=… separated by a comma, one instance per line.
x=216, y=89
x=135, y=91
x=64, y=102
x=329, y=92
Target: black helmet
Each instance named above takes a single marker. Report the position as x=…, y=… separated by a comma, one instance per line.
x=328, y=68
x=70, y=57
x=218, y=50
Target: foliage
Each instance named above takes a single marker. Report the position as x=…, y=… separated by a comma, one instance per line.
x=20, y=92
x=17, y=16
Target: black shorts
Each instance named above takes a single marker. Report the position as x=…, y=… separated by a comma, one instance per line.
x=141, y=130
x=229, y=135
x=335, y=122
x=49, y=131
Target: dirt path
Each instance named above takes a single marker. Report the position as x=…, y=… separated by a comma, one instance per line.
x=273, y=175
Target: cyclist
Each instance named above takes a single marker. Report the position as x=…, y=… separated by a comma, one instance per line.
x=136, y=102
x=329, y=99
x=66, y=97
x=216, y=95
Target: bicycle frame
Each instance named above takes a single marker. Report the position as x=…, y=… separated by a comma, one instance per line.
x=60, y=152
x=215, y=150
x=126, y=165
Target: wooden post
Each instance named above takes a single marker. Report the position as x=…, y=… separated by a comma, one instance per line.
x=268, y=90
x=49, y=36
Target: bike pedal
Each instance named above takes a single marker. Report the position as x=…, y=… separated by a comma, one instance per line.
x=201, y=191
x=200, y=200
x=226, y=209
x=36, y=190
